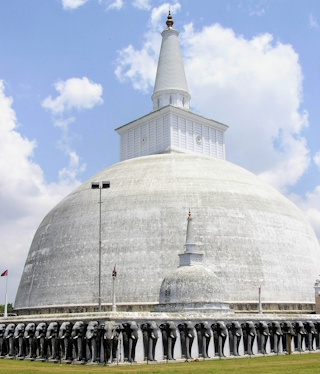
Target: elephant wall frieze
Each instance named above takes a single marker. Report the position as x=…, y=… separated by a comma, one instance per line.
x=110, y=342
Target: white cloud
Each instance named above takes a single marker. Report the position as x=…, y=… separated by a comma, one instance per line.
x=25, y=197
x=254, y=86
x=139, y=66
x=74, y=93
x=258, y=13
x=62, y=123
x=313, y=22
x=290, y=165
x=115, y=5
x=72, y=4
x=142, y=4
x=310, y=206
x=257, y=7
x=159, y=15
x=74, y=168
x=316, y=159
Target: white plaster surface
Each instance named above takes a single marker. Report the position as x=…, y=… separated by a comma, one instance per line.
x=142, y=317
x=211, y=348
x=227, y=347
x=248, y=231
x=191, y=284
x=159, y=347
x=139, y=347
x=177, y=352
x=195, y=346
x=255, y=346
x=172, y=128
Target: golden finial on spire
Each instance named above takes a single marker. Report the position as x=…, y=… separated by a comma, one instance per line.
x=189, y=217
x=169, y=20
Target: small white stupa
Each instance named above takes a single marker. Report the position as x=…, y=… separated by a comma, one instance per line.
x=191, y=287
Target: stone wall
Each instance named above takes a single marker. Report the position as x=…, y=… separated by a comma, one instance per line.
x=83, y=337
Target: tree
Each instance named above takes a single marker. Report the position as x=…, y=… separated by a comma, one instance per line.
x=9, y=308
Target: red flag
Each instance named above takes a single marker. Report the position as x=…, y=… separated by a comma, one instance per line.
x=260, y=289
x=4, y=274
x=114, y=273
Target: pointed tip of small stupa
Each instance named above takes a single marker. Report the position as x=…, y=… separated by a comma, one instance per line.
x=169, y=22
x=190, y=235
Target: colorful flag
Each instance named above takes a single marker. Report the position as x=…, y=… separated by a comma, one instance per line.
x=4, y=274
x=114, y=273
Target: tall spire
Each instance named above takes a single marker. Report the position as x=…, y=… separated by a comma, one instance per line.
x=170, y=86
x=190, y=255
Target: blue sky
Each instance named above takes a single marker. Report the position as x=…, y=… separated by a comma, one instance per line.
x=72, y=71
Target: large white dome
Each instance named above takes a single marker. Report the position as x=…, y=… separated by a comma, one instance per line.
x=250, y=235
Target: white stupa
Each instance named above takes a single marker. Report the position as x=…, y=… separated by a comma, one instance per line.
x=191, y=287
x=171, y=160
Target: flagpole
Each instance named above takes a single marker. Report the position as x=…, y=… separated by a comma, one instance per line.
x=5, y=300
x=114, y=307
x=99, y=297
x=114, y=275
x=260, y=306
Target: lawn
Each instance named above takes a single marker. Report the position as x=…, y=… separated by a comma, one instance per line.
x=304, y=363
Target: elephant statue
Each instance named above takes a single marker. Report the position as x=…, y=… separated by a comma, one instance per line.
x=220, y=334
x=65, y=341
x=9, y=338
x=130, y=339
x=52, y=338
x=249, y=334
x=262, y=335
x=77, y=335
x=93, y=342
x=288, y=332
x=169, y=337
x=299, y=335
x=40, y=336
x=3, y=347
x=235, y=334
x=150, y=338
x=317, y=327
x=310, y=334
x=204, y=334
x=187, y=336
x=275, y=335
x=18, y=336
x=30, y=341
x=109, y=338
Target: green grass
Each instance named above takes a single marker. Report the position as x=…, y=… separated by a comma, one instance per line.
x=304, y=363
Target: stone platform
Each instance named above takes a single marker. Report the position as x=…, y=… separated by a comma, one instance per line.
x=303, y=334
x=145, y=316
